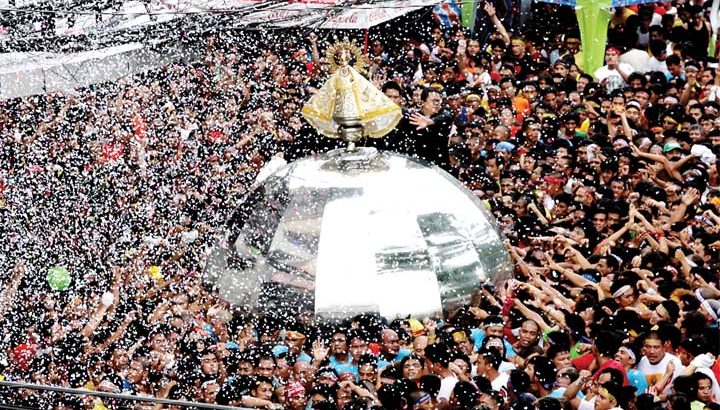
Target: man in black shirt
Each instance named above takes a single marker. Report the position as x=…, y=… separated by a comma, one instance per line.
x=424, y=133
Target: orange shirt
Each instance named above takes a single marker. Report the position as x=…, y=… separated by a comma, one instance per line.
x=522, y=108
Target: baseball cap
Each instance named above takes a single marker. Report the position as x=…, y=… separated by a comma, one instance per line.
x=672, y=145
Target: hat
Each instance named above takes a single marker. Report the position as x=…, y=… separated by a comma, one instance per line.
x=279, y=349
x=294, y=389
x=505, y=146
x=473, y=97
x=668, y=310
x=416, y=328
x=672, y=145
x=619, y=143
x=493, y=320
x=704, y=153
x=630, y=351
x=327, y=373
x=611, y=391
x=634, y=104
x=620, y=288
x=692, y=65
x=530, y=120
x=550, y=179
x=706, y=293
x=711, y=306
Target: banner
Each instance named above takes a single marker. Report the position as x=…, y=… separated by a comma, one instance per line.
x=468, y=11
x=593, y=18
x=447, y=13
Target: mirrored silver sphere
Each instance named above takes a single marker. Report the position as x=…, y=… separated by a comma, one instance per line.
x=346, y=233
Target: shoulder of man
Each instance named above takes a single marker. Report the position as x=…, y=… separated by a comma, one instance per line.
x=444, y=116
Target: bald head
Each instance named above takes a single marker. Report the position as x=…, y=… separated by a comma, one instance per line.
x=419, y=345
x=390, y=343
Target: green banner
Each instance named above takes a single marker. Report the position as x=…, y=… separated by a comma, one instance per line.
x=468, y=8
x=593, y=18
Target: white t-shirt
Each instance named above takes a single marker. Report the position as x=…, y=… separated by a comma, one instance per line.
x=587, y=404
x=643, y=38
x=614, y=78
x=637, y=59
x=500, y=382
x=485, y=79
x=654, y=372
x=446, y=387
x=656, y=65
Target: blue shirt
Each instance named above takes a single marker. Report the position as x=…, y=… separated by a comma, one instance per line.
x=344, y=367
x=637, y=380
x=478, y=336
x=402, y=353
x=280, y=349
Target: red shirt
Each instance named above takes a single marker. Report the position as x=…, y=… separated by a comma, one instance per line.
x=583, y=363
x=613, y=364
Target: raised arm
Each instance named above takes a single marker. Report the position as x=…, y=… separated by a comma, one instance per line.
x=688, y=198
x=103, y=306
x=657, y=158
x=679, y=163
x=490, y=10
x=8, y=294
x=626, y=125
x=579, y=257
x=314, y=49
x=618, y=234
x=532, y=315
x=566, y=302
x=117, y=333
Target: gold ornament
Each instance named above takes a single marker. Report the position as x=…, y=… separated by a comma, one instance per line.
x=341, y=53
x=349, y=106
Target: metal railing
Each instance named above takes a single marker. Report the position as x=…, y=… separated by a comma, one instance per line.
x=107, y=395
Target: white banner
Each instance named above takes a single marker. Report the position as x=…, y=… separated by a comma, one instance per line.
x=311, y=13
x=365, y=16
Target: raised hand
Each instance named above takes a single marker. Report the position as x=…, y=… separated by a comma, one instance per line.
x=319, y=350
x=489, y=9
x=420, y=121
x=690, y=196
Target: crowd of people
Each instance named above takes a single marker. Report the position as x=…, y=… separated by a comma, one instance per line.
x=604, y=183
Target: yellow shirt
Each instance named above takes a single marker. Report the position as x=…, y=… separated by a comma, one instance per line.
x=585, y=126
x=99, y=405
x=615, y=19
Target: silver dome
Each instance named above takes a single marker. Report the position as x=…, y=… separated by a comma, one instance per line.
x=346, y=233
